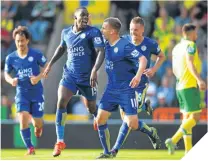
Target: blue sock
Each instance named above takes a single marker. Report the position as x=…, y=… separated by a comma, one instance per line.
x=104, y=136
x=60, y=124
x=26, y=137
x=145, y=129
x=123, y=133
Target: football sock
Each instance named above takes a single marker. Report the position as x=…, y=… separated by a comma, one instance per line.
x=123, y=134
x=145, y=129
x=188, y=140
x=104, y=136
x=60, y=124
x=26, y=137
x=185, y=126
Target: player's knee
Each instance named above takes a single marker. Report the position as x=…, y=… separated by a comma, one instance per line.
x=24, y=120
x=101, y=120
x=196, y=116
x=133, y=125
x=91, y=108
x=38, y=123
x=62, y=103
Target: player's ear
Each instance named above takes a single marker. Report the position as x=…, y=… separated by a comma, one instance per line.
x=75, y=17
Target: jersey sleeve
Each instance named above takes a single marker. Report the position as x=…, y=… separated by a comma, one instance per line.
x=131, y=52
x=8, y=65
x=155, y=49
x=97, y=38
x=62, y=43
x=191, y=49
x=41, y=59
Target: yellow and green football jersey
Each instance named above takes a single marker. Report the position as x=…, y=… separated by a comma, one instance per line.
x=180, y=69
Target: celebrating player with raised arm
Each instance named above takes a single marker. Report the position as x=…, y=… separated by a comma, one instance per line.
x=25, y=62
x=124, y=74
x=85, y=48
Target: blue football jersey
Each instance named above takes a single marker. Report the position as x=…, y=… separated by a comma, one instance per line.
x=147, y=48
x=121, y=62
x=81, y=52
x=24, y=68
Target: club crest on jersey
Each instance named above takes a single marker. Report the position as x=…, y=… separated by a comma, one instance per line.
x=30, y=59
x=83, y=35
x=158, y=49
x=143, y=48
x=43, y=59
x=135, y=53
x=190, y=49
x=98, y=40
x=115, y=50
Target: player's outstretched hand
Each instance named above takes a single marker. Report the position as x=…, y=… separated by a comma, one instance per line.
x=93, y=78
x=134, y=82
x=34, y=80
x=14, y=82
x=150, y=72
x=201, y=84
x=46, y=71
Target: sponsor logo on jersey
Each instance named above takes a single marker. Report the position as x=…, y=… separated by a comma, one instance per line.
x=115, y=50
x=43, y=59
x=30, y=59
x=76, y=51
x=143, y=48
x=22, y=73
x=83, y=35
x=135, y=53
x=97, y=40
x=190, y=49
x=109, y=65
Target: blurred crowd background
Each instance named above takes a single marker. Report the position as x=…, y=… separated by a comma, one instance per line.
x=163, y=22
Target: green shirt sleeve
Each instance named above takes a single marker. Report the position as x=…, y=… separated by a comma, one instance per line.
x=191, y=49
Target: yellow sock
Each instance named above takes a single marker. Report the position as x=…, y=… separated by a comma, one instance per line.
x=186, y=125
x=188, y=140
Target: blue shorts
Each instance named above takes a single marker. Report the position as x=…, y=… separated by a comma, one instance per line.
x=90, y=93
x=140, y=95
x=31, y=101
x=126, y=99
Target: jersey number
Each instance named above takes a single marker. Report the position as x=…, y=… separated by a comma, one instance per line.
x=134, y=103
x=41, y=106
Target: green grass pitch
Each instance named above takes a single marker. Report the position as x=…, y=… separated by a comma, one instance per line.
x=90, y=154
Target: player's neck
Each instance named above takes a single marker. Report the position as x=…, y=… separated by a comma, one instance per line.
x=113, y=40
x=22, y=53
x=138, y=41
x=76, y=29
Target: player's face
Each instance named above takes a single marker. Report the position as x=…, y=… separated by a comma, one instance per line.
x=106, y=30
x=136, y=30
x=194, y=34
x=21, y=42
x=81, y=18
